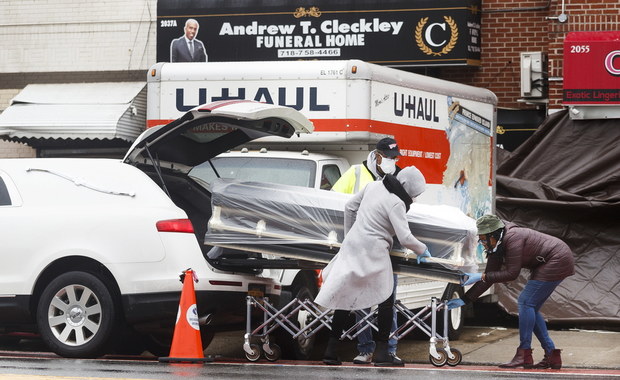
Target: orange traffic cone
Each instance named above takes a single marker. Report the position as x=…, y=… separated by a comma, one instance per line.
x=186, y=341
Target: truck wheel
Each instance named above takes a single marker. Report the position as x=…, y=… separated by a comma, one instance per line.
x=76, y=315
x=456, y=317
x=300, y=348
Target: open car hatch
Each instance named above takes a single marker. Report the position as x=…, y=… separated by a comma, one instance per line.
x=208, y=130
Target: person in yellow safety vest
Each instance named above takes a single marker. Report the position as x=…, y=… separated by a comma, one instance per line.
x=380, y=162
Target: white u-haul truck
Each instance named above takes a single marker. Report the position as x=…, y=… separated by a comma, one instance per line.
x=445, y=129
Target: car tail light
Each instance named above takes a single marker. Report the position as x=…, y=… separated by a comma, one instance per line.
x=175, y=225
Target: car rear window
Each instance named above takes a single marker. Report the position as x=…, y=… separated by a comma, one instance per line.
x=261, y=169
x=5, y=199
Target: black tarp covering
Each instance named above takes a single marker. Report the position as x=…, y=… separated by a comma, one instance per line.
x=565, y=181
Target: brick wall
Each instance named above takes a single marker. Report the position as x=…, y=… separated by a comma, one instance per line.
x=6, y=95
x=67, y=35
x=15, y=150
x=512, y=26
x=11, y=149
x=66, y=41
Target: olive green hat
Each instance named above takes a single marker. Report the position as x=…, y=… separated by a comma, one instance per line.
x=488, y=223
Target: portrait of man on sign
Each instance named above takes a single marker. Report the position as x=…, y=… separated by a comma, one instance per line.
x=187, y=48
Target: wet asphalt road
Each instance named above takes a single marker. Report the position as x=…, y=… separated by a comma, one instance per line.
x=587, y=355
x=20, y=368
x=29, y=361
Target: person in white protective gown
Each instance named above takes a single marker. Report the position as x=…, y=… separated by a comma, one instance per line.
x=360, y=275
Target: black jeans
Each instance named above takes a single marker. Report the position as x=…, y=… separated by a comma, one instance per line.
x=384, y=320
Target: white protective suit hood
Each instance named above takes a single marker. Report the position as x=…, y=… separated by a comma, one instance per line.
x=413, y=181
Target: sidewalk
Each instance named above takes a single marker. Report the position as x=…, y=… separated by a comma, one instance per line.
x=496, y=345
x=486, y=346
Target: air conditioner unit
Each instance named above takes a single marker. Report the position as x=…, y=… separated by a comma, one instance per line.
x=534, y=75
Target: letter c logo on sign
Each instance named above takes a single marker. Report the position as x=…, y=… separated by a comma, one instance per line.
x=423, y=36
x=428, y=35
x=609, y=62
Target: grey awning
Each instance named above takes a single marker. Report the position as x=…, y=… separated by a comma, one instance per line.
x=76, y=111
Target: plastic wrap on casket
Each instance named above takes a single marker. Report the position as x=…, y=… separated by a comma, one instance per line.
x=254, y=214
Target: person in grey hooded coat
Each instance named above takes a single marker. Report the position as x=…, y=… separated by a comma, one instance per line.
x=360, y=275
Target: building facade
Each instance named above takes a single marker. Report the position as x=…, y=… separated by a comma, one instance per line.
x=512, y=27
x=66, y=41
x=115, y=41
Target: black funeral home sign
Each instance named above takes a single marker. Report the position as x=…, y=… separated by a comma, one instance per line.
x=388, y=32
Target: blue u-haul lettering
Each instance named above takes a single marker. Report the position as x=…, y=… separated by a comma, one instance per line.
x=262, y=94
x=415, y=107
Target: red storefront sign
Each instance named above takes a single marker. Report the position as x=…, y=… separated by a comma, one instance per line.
x=592, y=68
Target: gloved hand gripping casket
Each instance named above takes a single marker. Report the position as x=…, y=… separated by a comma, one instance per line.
x=308, y=224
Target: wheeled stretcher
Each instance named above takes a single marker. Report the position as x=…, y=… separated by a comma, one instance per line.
x=321, y=318
x=306, y=224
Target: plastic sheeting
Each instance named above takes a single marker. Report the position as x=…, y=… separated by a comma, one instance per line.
x=261, y=216
x=565, y=181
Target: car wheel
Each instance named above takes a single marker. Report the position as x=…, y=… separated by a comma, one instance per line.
x=301, y=347
x=76, y=315
x=456, y=317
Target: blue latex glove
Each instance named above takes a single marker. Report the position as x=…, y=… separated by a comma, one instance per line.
x=422, y=257
x=454, y=303
x=471, y=278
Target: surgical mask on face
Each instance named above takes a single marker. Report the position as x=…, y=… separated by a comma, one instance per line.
x=388, y=165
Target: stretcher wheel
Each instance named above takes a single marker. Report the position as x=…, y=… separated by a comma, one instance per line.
x=443, y=358
x=457, y=357
x=255, y=353
x=276, y=353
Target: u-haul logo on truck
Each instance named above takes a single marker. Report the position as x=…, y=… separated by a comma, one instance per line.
x=415, y=107
x=412, y=107
x=295, y=97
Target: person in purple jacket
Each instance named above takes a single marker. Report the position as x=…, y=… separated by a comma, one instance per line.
x=510, y=248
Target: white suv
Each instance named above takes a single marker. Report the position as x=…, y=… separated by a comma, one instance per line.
x=92, y=249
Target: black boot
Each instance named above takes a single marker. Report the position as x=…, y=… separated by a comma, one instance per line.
x=330, y=357
x=384, y=359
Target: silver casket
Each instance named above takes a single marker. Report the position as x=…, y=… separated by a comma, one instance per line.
x=307, y=224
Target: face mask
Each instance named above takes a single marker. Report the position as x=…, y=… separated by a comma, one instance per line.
x=497, y=244
x=388, y=165
x=499, y=241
